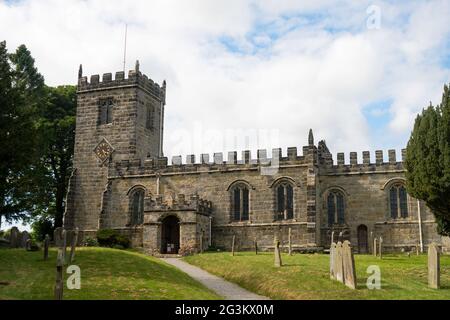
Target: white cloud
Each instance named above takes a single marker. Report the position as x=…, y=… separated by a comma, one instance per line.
x=319, y=70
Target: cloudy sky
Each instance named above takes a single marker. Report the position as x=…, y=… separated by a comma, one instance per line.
x=254, y=74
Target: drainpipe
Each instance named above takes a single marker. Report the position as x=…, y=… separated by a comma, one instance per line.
x=420, y=226
x=210, y=231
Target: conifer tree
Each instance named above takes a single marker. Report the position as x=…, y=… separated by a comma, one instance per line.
x=428, y=161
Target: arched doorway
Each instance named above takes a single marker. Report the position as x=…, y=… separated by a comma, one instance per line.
x=362, y=239
x=170, y=235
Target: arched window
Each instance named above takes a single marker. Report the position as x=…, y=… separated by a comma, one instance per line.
x=336, y=208
x=240, y=202
x=150, y=119
x=106, y=111
x=398, y=201
x=137, y=207
x=285, y=201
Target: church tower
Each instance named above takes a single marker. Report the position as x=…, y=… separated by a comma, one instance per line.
x=117, y=119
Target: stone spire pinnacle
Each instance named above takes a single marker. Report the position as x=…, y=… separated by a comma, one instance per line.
x=310, y=138
x=136, y=68
x=80, y=71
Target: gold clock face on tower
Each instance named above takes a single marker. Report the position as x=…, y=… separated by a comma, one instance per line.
x=103, y=150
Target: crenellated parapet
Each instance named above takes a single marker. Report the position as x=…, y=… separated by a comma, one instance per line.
x=178, y=203
x=214, y=162
x=135, y=78
x=367, y=163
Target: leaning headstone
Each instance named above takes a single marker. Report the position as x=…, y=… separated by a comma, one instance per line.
x=232, y=245
x=74, y=244
x=380, y=248
x=290, y=242
x=14, y=237
x=46, y=244
x=348, y=265
x=278, y=263
x=332, y=262
x=375, y=246
x=433, y=266
x=339, y=266
x=25, y=238
x=256, y=246
x=59, y=275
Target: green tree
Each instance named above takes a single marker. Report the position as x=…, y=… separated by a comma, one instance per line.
x=428, y=161
x=57, y=135
x=21, y=88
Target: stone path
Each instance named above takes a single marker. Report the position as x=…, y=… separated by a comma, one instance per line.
x=228, y=290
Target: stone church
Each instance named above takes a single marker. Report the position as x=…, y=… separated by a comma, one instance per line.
x=122, y=181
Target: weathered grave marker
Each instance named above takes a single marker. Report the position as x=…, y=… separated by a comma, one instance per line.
x=232, y=245
x=24, y=240
x=14, y=237
x=290, y=242
x=278, y=263
x=375, y=246
x=46, y=244
x=59, y=286
x=332, y=258
x=434, y=266
x=380, y=248
x=348, y=265
x=256, y=246
x=73, y=245
x=339, y=267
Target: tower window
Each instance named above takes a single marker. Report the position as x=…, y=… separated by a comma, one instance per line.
x=240, y=202
x=150, y=119
x=336, y=208
x=106, y=111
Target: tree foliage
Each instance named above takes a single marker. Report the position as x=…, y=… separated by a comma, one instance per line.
x=37, y=129
x=428, y=161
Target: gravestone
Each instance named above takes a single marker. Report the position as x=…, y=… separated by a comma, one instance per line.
x=278, y=263
x=14, y=237
x=59, y=275
x=232, y=245
x=201, y=242
x=332, y=236
x=339, y=266
x=380, y=248
x=28, y=245
x=24, y=240
x=348, y=265
x=290, y=243
x=46, y=244
x=417, y=250
x=375, y=246
x=332, y=258
x=73, y=244
x=434, y=266
x=256, y=246
x=60, y=238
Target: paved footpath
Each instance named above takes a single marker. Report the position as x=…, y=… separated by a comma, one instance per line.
x=228, y=290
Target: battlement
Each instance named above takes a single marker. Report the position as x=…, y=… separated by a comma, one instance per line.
x=135, y=78
x=216, y=162
x=178, y=203
x=368, y=164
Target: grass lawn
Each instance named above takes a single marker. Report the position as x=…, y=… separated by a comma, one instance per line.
x=306, y=276
x=105, y=274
